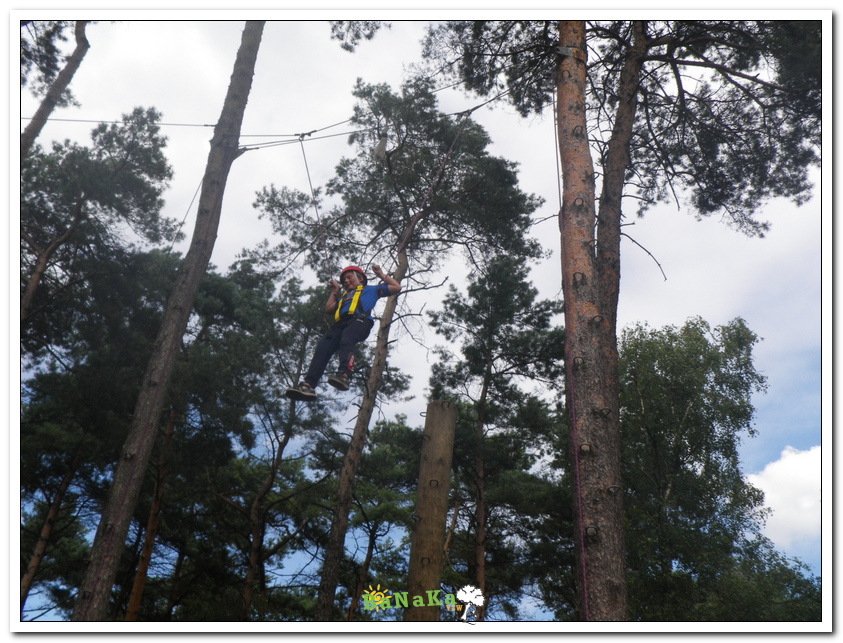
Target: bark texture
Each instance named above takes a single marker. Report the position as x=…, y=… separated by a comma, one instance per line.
x=427, y=550
x=151, y=532
x=590, y=350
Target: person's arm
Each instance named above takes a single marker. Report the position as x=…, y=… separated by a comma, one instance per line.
x=331, y=304
x=391, y=283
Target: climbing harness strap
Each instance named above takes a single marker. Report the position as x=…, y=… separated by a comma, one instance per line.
x=354, y=299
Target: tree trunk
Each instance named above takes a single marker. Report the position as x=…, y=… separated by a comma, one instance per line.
x=590, y=354
x=43, y=256
x=427, y=550
x=617, y=160
x=480, y=502
x=255, y=548
x=45, y=534
x=152, y=523
x=336, y=540
x=363, y=572
x=93, y=595
x=31, y=132
x=173, y=598
x=256, y=522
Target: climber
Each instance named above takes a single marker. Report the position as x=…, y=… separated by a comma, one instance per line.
x=352, y=324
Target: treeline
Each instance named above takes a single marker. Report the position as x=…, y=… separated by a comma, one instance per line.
x=237, y=504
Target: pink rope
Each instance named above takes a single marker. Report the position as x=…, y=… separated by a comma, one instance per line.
x=575, y=447
x=577, y=491
x=572, y=410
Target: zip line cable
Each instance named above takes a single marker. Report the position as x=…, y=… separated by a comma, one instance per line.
x=465, y=114
x=288, y=139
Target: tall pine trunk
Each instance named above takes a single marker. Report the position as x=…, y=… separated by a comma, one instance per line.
x=427, y=547
x=54, y=93
x=589, y=262
x=335, y=548
x=92, y=598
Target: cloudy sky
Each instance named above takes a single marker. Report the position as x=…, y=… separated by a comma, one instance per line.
x=303, y=82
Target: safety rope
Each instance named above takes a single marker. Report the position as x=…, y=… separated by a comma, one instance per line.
x=321, y=228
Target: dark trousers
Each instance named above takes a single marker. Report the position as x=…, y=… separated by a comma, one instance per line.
x=341, y=339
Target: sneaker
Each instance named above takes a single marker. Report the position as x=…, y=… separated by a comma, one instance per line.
x=302, y=393
x=339, y=381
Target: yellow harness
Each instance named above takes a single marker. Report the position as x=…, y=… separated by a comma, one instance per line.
x=354, y=299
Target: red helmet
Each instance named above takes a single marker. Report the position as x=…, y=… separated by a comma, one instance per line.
x=357, y=270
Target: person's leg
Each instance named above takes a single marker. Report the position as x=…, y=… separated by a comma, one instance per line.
x=325, y=349
x=356, y=331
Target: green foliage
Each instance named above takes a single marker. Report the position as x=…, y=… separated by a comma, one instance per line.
x=692, y=521
x=120, y=177
x=474, y=203
x=63, y=564
x=524, y=511
x=728, y=111
x=494, y=56
x=507, y=342
x=502, y=326
x=80, y=209
x=384, y=496
x=693, y=548
x=40, y=53
x=351, y=32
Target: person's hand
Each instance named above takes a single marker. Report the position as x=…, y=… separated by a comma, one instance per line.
x=334, y=287
x=378, y=272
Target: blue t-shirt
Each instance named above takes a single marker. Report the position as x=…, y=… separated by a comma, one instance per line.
x=368, y=298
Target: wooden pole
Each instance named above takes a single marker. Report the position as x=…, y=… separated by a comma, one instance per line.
x=427, y=549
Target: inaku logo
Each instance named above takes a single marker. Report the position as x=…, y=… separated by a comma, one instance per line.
x=375, y=599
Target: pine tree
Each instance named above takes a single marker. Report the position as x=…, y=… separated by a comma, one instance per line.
x=74, y=200
x=508, y=343
x=39, y=50
x=664, y=107
x=93, y=594
x=436, y=189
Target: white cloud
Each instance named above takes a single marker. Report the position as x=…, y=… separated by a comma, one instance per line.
x=792, y=489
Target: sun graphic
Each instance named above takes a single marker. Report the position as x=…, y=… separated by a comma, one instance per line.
x=376, y=597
